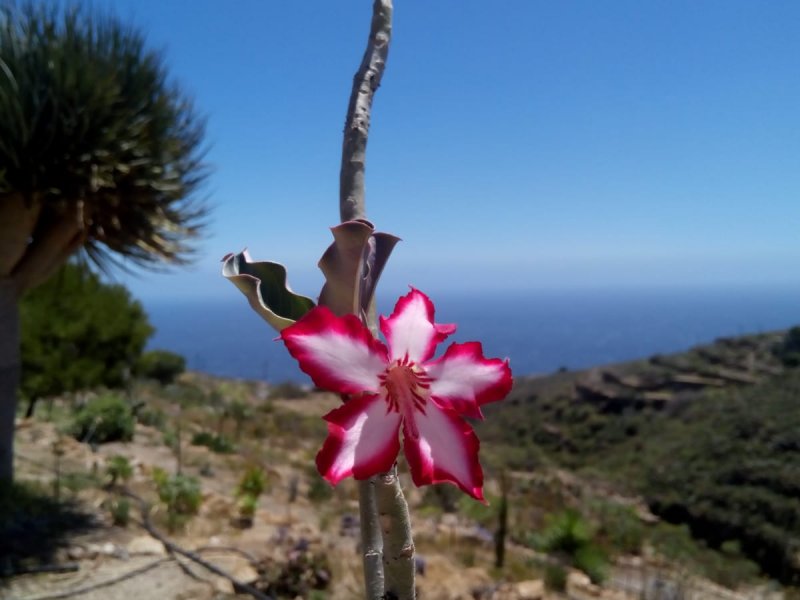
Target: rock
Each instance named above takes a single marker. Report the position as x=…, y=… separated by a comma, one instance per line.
x=533, y=589
x=146, y=545
x=245, y=573
x=579, y=584
x=450, y=520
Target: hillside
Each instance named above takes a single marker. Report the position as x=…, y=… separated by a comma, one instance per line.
x=673, y=475
x=710, y=438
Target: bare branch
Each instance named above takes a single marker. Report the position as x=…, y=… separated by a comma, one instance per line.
x=17, y=221
x=51, y=249
x=356, y=127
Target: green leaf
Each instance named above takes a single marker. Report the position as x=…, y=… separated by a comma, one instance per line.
x=352, y=265
x=264, y=285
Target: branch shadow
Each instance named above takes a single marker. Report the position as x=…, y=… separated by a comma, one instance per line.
x=34, y=527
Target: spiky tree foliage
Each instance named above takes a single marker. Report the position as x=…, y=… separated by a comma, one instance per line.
x=98, y=151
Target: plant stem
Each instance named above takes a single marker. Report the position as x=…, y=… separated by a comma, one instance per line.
x=371, y=540
x=398, y=546
x=387, y=546
x=356, y=125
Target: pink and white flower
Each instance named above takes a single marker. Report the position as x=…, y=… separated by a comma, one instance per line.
x=398, y=387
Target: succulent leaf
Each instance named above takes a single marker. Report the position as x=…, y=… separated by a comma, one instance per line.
x=265, y=287
x=352, y=265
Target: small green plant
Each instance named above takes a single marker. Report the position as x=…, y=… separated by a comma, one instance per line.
x=570, y=538
x=240, y=412
x=160, y=365
x=75, y=481
x=119, y=469
x=180, y=494
x=247, y=510
x=253, y=482
x=214, y=442
x=120, y=510
x=152, y=417
x=593, y=561
x=106, y=418
x=251, y=486
x=555, y=578
x=170, y=438
x=788, y=350
x=620, y=529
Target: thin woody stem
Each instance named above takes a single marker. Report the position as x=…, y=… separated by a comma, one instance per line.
x=356, y=125
x=398, y=545
x=387, y=546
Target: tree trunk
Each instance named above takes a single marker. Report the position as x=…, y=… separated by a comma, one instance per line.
x=9, y=375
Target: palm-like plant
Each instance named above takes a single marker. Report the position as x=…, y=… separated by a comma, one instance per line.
x=98, y=151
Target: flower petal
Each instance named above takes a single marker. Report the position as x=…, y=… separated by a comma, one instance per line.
x=338, y=353
x=463, y=379
x=440, y=446
x=362, y=440
x=410, y=329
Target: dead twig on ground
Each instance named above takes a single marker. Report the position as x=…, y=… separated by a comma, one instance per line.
x=109, y=582
x=239, y=587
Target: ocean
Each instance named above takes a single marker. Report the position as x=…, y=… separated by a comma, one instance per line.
x=539, y=331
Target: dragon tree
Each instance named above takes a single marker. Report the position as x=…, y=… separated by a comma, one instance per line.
x=100, y=154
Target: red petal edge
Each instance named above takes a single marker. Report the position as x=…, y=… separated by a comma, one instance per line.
x=384, y=427
x=439, y=332
x=423, y=473
x=493, y=392
x=321, y=319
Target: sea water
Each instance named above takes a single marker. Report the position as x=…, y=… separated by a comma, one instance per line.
x=539, y=331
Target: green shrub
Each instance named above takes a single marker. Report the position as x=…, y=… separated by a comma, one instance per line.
x=181, y=494
x=216, y=443
x=253, y=482
x=78, y=333
x=75, y=481
x=788, y=351
x=161, y=365
x=107, y=418
x=247, y=507
x=120, y=509
x=152, y=417
x=118, y=468
x=555, y=578
x=620, y=528
x=591, y=560
x=565, y=533
x=170, y=438
x=570, y=537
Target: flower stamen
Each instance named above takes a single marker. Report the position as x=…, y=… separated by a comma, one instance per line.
x=407, y=389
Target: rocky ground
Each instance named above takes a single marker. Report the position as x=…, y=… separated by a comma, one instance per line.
x=310, y=545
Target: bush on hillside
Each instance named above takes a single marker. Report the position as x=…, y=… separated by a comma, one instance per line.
x=216, y=443
x=728, y=470
x=106, y=418
x=788, y=351
x=161, y=365
x=570, y=537
x=79, y=333
x=181, y=494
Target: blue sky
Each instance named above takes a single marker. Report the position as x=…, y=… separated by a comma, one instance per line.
x=515, y=145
